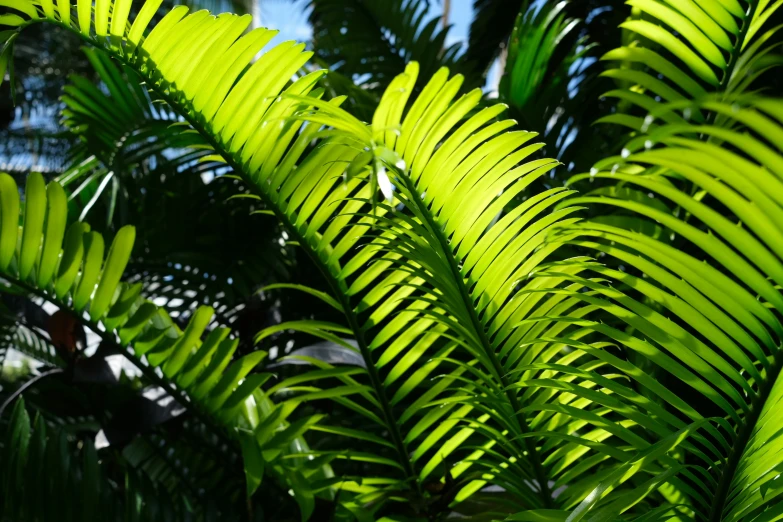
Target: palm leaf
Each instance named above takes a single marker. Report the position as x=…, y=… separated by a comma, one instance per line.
x=702, y=317
x=461, y=269
x=158, y=172
x=685, y=51
x=550, y=79
x=491, y=27
x=125, y=137
x=260, y=154
x=690, y=260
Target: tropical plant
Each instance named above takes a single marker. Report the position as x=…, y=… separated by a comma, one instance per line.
x=71, y=480
x=491, y=345
x=192, y=373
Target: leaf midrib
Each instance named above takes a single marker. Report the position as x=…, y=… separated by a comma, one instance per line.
x=741, y=442
x=733, y=57
x=532, y=453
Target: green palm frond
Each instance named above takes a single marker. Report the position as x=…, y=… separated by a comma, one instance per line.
x=696, y=298
x=144, y=165
x=185, y=459
x=400, y=310
x=535, y=40
x=264, y=169
x=689, y=50
x=463, y=273
x=551, y=78
x=126, y=138
x=490, y=29
x=261, y=166
x=495, y=352
x=685, y=221
x=687, y=336
x=50, y=473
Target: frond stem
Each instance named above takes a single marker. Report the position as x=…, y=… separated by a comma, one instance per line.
x=735, y=53
x=497, y=367
x=741, y=442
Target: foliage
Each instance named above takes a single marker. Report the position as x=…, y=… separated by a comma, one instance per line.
x=372, y=41
x=138, y=167
x=492, y=344
x=82, y=282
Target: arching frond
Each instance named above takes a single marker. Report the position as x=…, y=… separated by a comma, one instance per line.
x=377, y=259
x=696, y=297
x=145, y=165
x=551, y=78
x=303, y=196
x=466, y=271
x=125, y=138
x=686, y=51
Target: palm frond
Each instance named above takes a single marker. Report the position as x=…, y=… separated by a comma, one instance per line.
x=690, y=288
x=41, y=461
x=551, y=74
x=374, y=275
x=462, y=272
x=698, y=303
x=644, y=388
x=125, y=138
x=272, y=175
x=689, y=50
x=33, y=454
x=551, y=78
x=144, y=165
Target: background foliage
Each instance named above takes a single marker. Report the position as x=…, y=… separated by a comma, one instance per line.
x=381, y=293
